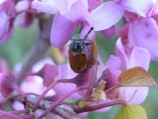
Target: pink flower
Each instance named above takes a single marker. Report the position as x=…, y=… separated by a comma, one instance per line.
x=142, y=30
x=3, y=66
x=62, y=89
x=27, y=16
x=6, y=31
x=6, y=83
x=7, y=12
x=138, y=57
x=110, y=74
x=75, y=13
x=36, y=84
x=48, y=73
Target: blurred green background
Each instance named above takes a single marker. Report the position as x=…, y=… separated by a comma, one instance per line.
x=14, y=50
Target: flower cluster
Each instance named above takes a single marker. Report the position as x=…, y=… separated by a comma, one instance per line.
x=83, y=83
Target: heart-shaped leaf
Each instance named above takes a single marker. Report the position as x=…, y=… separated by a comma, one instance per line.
x=136, y=76
x=131, y=112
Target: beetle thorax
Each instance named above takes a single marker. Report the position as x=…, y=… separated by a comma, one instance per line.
x=77, y=46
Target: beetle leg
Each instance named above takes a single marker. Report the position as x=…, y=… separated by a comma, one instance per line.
x=89, y=43
x=91, y=62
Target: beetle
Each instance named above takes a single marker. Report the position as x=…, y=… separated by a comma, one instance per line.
x=78, y=54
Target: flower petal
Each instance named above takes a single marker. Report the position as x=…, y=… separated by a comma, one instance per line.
x=7, y=36
x=3, y=66
x=23, y=5
x=64, y=88
x=105, y=16
x=35, y=85
x=65, y=71
x=2, y=1
x=4, y=26
x=62, y=5
x=144, y=33
x=141, y=7
x=110, y=32
x=62, y=30
x=44, y=6
x=78, y=11
x=135, y=95
x=94, y=4
x=111, y=75
x=84, y=32
x=113, y=62
x=125, y=63
x=140, y=57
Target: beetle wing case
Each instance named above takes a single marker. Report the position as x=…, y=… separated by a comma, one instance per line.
x=77, y=61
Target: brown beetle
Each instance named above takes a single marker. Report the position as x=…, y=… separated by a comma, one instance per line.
x=77, y=54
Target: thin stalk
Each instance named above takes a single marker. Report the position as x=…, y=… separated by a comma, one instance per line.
x=49, y=88
x=52, y=107
x=100, y=106
x=9, y=115
x=91, y=85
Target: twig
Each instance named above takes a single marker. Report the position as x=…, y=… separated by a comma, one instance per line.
x=38, y=50
x=100, y=106
x=49, y=88
x=52, y=107
x=63, y=110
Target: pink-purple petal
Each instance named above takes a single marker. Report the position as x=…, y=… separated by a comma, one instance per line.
x=105, y=16
x=144, y=33
x=85, y=30
x=3, y=66
x=44, y=7
x=133, y=95
x=62, y=5
x=7, y=36
x=125, y=63
x=78, y=12
x=141, y=7
x=62, y=30
x=94, y=4
x=4, y=23
x=64, y=88
x=65, y=71
x=110, y=32
x=113, y=62
x=140, y=57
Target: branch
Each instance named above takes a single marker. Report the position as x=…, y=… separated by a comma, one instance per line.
x=63, y=110
x=39, y=48
x=99, y=106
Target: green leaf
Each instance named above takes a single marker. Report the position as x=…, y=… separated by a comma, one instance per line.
x=131, y=112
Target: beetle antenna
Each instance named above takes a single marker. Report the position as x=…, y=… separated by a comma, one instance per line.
x=88, y=33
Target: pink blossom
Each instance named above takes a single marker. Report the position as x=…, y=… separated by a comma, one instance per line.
x=27, y=17
x=6, y=81
x=3, y=66
x=142, y=29
x=75, y=13
x=6, y=31
x=35, y=83
x=48, y=73
x=138, y=57
x=143, y=32
x=7, y=12
x=110, y=75
x=62, y=89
